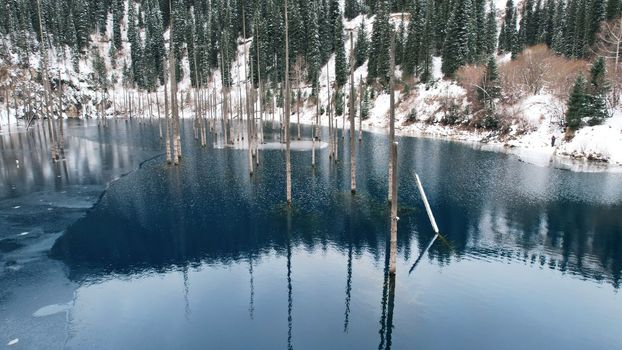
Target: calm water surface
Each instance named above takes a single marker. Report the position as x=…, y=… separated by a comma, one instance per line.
x=204, y=256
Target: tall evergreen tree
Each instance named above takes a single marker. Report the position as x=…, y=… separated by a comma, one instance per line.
x=577, y=104
x=490, y=36
x=456, y=47
x=378, y=65
x=341, y=65
x=362, y=45
x=351, y=9
x=507, y=36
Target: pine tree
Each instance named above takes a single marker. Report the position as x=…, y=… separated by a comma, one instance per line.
x=117, y=16
x=378, y=64
x=489, y=88
x=596, y=92
x=549, y=23
x=594, y=17
x=558, y=38
x=456, y=48
x=477, y=32
x=413, y=41
x=315, y=55
x=362, y=45
x=427, y=45
x=341, y=65
x=490, y=36
x=614, y=9
x=577, y=106
x=351, y=9
x=507, y=36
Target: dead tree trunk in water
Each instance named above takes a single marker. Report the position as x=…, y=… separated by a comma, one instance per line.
x=174, y=104
x=169, y=157
x=352, y=125
x=249, y=115
x=61, y=141
x=361, y=93
x=286, y=102
x=331, y=150
x=393, y=166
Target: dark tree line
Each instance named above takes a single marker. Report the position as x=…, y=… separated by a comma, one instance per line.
x=207, y=33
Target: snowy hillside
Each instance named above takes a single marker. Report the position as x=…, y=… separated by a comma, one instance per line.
x=421, y=111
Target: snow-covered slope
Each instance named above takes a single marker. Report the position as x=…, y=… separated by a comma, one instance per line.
x=535, y=117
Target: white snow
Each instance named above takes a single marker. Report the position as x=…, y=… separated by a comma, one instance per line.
x=535, y=119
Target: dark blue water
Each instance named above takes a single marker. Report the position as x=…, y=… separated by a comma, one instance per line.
x=204, y=256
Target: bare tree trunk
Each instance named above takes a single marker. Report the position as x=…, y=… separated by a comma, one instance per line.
x=393, y=166
x=331, y=148
x=298, y=108
x=361, y=96
x=169, y=157
x=61, y=140
x=159, y=116
x=352, y=125
x=314, y=131
x=174, y=104
x=286, y=101
x=249, y=116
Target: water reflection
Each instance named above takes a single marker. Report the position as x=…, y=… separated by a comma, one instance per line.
x=208, y=210
x=209, y=247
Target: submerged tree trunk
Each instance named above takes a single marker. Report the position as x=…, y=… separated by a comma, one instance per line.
x=352, y=125
x=393, y=164
x=169, y=156
x=286, y=102
x=361, y=93
x=61, y=139
x=249, y=115
x=174, y=102
x=331, y=130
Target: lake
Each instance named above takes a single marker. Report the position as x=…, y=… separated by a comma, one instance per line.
x=115, y=249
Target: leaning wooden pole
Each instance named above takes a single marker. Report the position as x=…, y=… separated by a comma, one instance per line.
x=286, y=102
x=393, y=166
x=352, y=125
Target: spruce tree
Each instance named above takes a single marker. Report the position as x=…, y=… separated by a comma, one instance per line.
x=314, y=57
x=427, y=45
x=489, y=88
x=351, y=9
x=413, y=41
x=378, y=64
x=477, y=32
x=507, y=36
x=490, y=39
x=577, y=105
x=596, y=93
x=594, y=18
x=456, y=48
x=341, y=65
x=362, y=45
x=118, y=11
x=614, y=9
